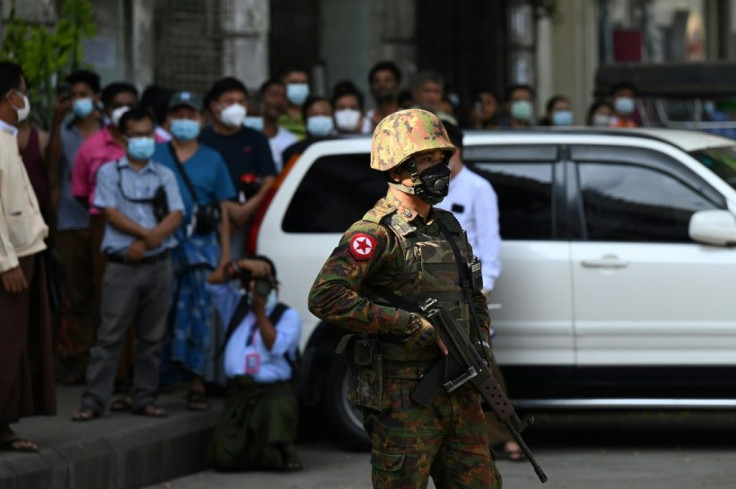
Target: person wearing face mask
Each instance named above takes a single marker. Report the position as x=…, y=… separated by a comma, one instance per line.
x=107, y=144
x=558, y=112
x=624, y=105
x=712, y=114
x=519, y=106
x=296, y=81
x=317, y=112
x=600, y=114
x=246, y=152
x=203, y=243
x=142, y=207
x=347, y=108
x=385, y=82
x=273, y=105
x=73, y=239
x=400, y=254
x=26, y=351
x=259, y=422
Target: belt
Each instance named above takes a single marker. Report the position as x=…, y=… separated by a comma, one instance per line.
x=146, y=260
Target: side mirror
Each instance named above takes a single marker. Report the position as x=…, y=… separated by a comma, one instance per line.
x=715, y=227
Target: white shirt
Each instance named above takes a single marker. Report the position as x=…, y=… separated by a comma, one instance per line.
x=475, y=205
x=9, y=128
x=282, y=140
x=22, y=229
x=246, y=340
x=368, y=126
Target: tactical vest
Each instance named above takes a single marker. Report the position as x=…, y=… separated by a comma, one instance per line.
x=430, y=271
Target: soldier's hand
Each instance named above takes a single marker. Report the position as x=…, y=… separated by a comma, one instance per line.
x=422, y=333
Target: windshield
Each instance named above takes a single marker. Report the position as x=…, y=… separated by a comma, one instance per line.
x=721, y=161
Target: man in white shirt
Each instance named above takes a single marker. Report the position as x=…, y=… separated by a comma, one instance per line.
x=26, y=353
x=259, y=422
x=475, y=205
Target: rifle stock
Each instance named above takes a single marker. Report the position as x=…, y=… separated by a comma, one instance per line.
x=464, y=364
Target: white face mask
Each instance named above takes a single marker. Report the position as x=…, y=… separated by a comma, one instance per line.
x=117, y=114
x=347, y=119
x=233, y=115
x=601, y=120
x=23, y=111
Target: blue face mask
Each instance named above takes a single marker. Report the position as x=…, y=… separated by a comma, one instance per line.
x=297, y=93
x=141, y=148
x=254, y=122
x=184, y=129
x=83, y=107
x=562, y=118
x=320, y=125
x=521, y=110
x=271, y=301
x=624, y=105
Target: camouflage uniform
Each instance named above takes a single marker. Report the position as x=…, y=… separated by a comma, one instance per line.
x=395, y=249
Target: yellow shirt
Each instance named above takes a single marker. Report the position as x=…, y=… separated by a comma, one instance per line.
x=22, y=229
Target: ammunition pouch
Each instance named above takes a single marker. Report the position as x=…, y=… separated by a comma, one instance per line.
x=365, y=370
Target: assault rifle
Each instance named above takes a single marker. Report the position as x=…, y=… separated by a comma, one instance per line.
x=464, y=364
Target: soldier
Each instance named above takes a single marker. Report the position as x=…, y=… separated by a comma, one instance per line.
x=396, y=256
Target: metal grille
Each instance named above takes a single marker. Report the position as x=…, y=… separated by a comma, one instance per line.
x=188, y=44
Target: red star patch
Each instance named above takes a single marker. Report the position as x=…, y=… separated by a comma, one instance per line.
x=362, y=246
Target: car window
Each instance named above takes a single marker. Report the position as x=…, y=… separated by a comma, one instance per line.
x=524, y=193
x=721, y=161
x=632, y=203
x=336, y=191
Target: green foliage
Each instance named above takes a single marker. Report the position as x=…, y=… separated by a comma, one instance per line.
x=47, y=55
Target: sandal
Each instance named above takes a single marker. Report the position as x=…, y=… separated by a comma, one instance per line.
x=504, y=453
x=85, y=414
x=18, y=445
x=197, y=401
x=150, y=410
x=292, y=463
x=121, y=404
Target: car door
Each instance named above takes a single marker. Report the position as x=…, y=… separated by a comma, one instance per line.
x=534, y=290
x=644, y=292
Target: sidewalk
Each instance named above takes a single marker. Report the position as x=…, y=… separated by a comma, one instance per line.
x=117, y=451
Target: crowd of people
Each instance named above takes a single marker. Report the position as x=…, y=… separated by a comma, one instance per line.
x=121, y=240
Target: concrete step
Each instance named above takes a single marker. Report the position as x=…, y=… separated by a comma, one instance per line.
x=116, y=451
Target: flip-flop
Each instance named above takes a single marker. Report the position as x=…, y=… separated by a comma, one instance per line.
x=121, y=404
x=12, y=446
x=292, y=463
x=85, y=414
x=150, y=410
x=197, y=401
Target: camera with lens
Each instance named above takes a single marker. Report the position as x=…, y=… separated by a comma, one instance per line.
x=263, y=285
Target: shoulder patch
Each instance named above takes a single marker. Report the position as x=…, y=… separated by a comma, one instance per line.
x=362, y=246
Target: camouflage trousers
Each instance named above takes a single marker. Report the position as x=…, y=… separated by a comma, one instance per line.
x=447, y=440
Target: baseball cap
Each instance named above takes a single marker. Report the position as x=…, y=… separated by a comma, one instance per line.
x=185, y=98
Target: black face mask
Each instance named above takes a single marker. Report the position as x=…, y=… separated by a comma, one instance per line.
x=431, y=185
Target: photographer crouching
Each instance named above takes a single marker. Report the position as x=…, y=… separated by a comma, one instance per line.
x=259, y=422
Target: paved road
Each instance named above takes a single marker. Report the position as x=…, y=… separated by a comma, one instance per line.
x=652, y=450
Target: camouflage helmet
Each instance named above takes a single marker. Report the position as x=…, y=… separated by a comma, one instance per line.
x=407, y=132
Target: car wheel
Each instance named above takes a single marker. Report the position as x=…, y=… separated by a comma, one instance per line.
x=346, y=420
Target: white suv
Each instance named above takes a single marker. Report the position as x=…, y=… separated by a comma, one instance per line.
x=618, y=270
